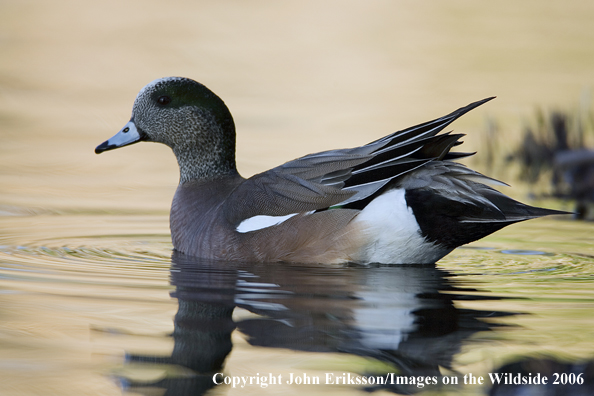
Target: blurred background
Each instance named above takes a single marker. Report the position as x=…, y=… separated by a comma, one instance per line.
x=85, y=253
x=298, y=76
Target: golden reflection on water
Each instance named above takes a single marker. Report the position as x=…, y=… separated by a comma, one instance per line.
x=84, y=246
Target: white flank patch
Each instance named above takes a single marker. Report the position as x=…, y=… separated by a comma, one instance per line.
x=393, y=234
x=260, y=221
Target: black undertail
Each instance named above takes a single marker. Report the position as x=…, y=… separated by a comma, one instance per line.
x=453, y=223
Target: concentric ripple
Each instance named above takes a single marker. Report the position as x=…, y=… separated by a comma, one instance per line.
x=137, y=260
x=87, y=247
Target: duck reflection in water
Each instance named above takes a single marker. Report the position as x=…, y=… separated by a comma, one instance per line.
x=403, y=316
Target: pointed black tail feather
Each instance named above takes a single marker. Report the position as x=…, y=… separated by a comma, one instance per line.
x=391, y=156
x=452, y=223
x=513, y=211
x=430, y=128
x=393, y=153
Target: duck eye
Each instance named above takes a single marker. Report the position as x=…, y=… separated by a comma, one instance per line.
x=164, y=100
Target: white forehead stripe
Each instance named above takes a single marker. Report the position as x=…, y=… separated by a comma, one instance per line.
x=260, y=221
x=152, y=84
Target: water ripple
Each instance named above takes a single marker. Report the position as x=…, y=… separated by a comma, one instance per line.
x=89, y=258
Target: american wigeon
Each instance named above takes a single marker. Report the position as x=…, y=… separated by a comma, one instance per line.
x=399, y=199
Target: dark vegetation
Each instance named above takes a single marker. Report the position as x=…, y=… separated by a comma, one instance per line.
x=556, y=150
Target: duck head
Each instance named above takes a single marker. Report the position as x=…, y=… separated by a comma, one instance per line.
x=189, y=118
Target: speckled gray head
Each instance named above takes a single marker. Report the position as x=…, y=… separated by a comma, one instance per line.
x=188, y=117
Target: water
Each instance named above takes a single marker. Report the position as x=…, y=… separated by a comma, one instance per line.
x=114, y=311
x=92, y=301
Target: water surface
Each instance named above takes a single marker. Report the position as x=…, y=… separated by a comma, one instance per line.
x=110, y=309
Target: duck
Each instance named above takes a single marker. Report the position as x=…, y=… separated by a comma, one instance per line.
x=401, y=199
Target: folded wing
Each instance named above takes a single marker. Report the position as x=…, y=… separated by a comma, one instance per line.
x=347, y=178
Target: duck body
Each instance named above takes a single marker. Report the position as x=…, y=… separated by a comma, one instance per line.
x=401, y=199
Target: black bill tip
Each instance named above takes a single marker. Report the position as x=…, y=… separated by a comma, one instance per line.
x=105, y=146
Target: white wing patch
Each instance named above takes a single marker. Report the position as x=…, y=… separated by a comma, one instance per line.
x=260, y=221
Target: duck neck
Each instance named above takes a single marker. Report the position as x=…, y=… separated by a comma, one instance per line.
x=204, y=165
x=208, y=151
